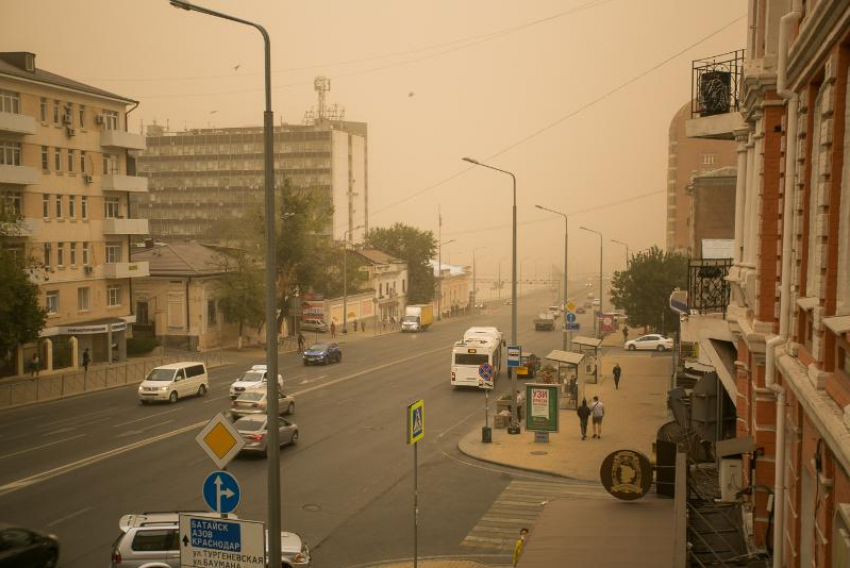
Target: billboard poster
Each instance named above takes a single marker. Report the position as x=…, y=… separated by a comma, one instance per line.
x=313, y=309
x=541, y=411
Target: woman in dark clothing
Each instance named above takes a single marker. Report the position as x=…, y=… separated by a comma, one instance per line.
x=583, y=414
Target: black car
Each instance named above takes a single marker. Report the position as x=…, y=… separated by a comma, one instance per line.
x=323, y=353
x=23, y=548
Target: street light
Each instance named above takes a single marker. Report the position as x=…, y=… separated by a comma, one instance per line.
x=566, y=258
x=271, y=281
x=598, y=320
x=521, y=271
x=474, y=281
x=514, y=428
x=345, y=237
x=627, y=249
x=440, y=277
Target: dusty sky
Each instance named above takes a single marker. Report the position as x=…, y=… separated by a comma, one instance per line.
x=574, y=96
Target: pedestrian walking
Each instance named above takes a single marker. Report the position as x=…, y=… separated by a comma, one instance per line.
x=86, y=360
x=35, y=365
x=625, y=333
x=617, y=372
x=300, y=343
x=333, y=329
x=519, y=547
x=583, y=412
x=355, y=326
x=597, y=411
x=362, y=326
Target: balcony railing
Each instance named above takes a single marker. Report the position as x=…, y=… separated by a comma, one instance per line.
x=716, y=84
x=708, y=289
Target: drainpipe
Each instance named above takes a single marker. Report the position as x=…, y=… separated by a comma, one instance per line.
x=788, y=20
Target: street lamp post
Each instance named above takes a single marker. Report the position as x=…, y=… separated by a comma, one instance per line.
x=345, y=236
x=601, y=301
x=274, y=520
x=440, y=276
x=514, y=428
x=474, y=280
x=627, y=249
x=566, y=259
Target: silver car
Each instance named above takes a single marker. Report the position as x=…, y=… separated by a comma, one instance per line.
x=255, y=401
x=255, y=432
x=153, y=539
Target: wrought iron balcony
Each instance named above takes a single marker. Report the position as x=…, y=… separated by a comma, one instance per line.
x=716, y=84
x=708, y=289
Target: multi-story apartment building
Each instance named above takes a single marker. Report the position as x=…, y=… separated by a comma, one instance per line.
x=200, y=176
x=790, y=307
x=688, y=157
x=65, y=171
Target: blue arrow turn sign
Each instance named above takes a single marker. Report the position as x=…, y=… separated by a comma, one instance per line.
x=221, y=492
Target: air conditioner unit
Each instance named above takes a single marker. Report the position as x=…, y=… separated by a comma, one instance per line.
x=70, y=131
x=88, y=269
x=99, y=119
x=731, y=479
x=87, y=178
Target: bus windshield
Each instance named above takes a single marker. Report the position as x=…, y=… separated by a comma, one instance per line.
x=471, y=359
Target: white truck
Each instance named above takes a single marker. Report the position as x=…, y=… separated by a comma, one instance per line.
x=417, y=317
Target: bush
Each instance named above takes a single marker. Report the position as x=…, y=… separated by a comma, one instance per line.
x=141, y=345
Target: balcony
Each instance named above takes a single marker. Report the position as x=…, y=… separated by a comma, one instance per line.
x=708, y=287
x=121, y=139
x=114, y=270
x=125, y=226
x=19, y=175
x=17, y=123
x=716, y=84
x=119, y=182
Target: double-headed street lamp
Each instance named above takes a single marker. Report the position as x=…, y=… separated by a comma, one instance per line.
x=440, y=277
x=566, y=259
x=345, y=236
x=601, y=302
x=627, y=249
x=514, y=428
x=271, y=286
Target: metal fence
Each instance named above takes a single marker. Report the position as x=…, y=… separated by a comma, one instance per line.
x=717, y=83
x=708, y=289
x=54, y=386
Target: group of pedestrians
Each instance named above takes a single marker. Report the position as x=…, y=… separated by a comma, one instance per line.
x=596, y=411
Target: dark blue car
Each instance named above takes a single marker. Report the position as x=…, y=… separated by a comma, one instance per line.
x=323, y=353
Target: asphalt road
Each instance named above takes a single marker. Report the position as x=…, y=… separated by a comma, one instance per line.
x=73, y=467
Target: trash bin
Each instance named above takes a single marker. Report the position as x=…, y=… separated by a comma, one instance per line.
x=486, y=435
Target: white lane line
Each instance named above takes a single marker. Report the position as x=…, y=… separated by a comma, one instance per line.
x=60, y=431
x=57, y=471
x=453, y=426
x=148, y=417
x=68, y=517
x=209, y=400
x=140, y=430
x=4, y=456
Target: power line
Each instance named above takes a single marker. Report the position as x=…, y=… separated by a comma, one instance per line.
x=563, y=118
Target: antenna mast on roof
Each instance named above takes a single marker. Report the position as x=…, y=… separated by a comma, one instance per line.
x=323, y=112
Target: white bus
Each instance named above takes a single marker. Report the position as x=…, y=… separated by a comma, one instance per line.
x=478, y=346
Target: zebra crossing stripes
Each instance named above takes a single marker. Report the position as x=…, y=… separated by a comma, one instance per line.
x=518, y=506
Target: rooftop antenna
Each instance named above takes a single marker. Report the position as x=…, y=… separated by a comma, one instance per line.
x=323, y=112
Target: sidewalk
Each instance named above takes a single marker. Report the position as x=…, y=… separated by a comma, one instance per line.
x=633, y=415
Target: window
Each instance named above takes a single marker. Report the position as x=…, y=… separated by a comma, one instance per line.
x=57, y=160
x=10, y=102
x=58, y=206
x=45, y=205
x=72, y=207
x=53, y=302
x=43, y=110
x=211, y=312
x=84, y=207
x=110, y=164
x=10, y=153
x=113, y=295
x=813, y=267
x=85, y=254
x=46, y=254
x=110, y=120
x=142, y=312
x=55, y=112
x=112, y=208
x=113, y=253
x=156, y=540
x=82, y=161
x=12, y=203
x=60, y=254
x=842, y=294
x=71, y=158
x=45, y=159
x=83, y=299
x=82, y=116
x=72, y=251
x=708, y=159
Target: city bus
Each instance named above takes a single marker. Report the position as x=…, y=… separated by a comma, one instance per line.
x=479, y=345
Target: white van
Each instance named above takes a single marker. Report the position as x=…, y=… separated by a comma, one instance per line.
x=170, y=382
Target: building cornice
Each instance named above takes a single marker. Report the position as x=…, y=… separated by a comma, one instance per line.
x=821, y=32
x=45, y=84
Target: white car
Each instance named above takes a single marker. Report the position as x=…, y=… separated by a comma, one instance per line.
x=651, y=342
x=256, y=376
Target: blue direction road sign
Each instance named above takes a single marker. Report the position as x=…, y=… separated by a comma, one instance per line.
x=221, y=492
x=572, y=326
x=571, y=317
x=514, y=354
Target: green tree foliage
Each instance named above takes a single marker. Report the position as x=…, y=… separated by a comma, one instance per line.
x=240, y=290
x=643, y=290
x=416, y=248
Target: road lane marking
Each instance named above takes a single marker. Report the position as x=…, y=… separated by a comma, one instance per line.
x=209, y=400
x=4, y=456
x=60, y=431
x=452, y=427
x=148, y=417
x=73, y=466
x=134, y=432
x=68, y=517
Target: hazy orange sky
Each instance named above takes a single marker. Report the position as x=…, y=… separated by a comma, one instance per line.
x=574, y=97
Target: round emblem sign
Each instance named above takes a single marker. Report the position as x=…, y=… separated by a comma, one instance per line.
x=626, y=474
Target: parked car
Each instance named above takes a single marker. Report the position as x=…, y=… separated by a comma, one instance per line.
x=313, y=325
x=255, y=432
x=554, y=310
x=323, y=353
x=25, y=548
x=255, y=401
x=581, y=310
x=651, y=342
x=153, y=539
x=177, y=380
x=529, y=363
x=256, y=376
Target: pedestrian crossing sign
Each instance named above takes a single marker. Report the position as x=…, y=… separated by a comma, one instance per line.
x=415, y=421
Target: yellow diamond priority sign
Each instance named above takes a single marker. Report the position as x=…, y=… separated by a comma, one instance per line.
x=220, y=440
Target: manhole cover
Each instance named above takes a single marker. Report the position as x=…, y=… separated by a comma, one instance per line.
x=539, y=453
x=312, y=508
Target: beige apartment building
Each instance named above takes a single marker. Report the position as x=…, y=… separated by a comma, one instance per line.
x=66, y=172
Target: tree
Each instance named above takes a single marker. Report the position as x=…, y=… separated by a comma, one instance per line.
x=643, y=290
x=416, y=248
x=240, y=291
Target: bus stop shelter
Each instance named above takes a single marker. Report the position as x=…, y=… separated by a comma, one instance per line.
x=571, y=361
x=592, y=346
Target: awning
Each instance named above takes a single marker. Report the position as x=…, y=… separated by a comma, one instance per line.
x=808, y=303
x=566, y=357
x=722, y=356
x=585, y=341
x=838, y=325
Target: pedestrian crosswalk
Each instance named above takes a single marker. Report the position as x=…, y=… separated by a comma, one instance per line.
x=518, y=506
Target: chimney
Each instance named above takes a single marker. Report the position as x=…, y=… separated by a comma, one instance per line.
x=20, y=59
